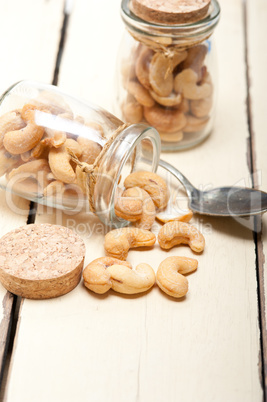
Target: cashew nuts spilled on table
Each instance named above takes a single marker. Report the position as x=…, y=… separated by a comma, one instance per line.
x=129, y=208
x=152, y=183
x=119, y=241
x=165, y=216
x=170, y=275
x=147, y=217
x=96, y=277
x=131, y=281
x=105, y=273
x=175, y=233
x=19, y=141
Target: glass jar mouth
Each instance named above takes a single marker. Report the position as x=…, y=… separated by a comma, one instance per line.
x=202, y=27
x=129, y=150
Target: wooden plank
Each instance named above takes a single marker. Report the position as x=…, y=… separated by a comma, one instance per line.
x=257, y=61
x=152, y=348
x=97, y=27
x=29, y=37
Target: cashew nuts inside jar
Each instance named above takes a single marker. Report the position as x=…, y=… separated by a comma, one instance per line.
x=166, y=74
x=62, y=152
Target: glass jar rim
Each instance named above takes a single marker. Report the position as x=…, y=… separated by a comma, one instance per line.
x=205, y=26
x=123, y=146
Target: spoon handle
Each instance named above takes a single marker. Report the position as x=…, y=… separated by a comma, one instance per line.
x=190, y=189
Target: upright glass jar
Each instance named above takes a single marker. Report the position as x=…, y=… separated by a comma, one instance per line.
x=62, y=152
x=167, y=76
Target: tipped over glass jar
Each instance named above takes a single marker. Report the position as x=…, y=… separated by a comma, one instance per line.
x=167, y=69
x=62, y=152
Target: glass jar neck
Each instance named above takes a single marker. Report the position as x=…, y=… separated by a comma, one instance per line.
x=180, y=35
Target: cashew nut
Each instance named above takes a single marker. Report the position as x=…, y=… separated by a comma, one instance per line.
x=95, y=275
x=37, y=170
x=90, y=150
x=166, y=216
x=105, y=273
x=165, y=120
x=201, y=107
x=131, y=281
x=26, y=156
x=132, y=111
x=141, y=94
x=20, y=141
x=160, y=72
x=152, y=183
x=59, y=161
x=184, y=106
x=10, y=121
x=194, y=124
x=93, y=125
x=172, y=137
x=195, y=58
x=128, y=208
x=7, y=161
x=54, y=188
x=174, y=233
x=142, y=66
x=169, y=101
x=147, y=217
x=52, y=102
x=186, y=83
x=119, y=241
x=170, y=275
x=42, y=148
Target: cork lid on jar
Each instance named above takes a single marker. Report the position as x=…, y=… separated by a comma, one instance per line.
x=170, y=11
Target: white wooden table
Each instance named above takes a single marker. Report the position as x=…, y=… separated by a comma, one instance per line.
x=210, y=347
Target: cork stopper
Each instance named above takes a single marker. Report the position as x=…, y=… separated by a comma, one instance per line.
x=41, y=261
x=170, y=11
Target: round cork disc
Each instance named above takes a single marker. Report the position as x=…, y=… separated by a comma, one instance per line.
x=170, y=11
x=40, y=261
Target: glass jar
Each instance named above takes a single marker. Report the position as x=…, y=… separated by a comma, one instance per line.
x=167, y=77
x=59, y=151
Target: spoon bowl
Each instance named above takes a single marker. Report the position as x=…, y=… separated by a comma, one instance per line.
x=221, y=201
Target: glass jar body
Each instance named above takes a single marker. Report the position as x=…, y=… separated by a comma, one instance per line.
x=167, y=77
x=50, y=143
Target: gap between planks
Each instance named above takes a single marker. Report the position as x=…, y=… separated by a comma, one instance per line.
x=257, y=233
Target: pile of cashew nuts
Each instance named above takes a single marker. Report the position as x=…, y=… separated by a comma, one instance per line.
x=36, y=159
x=145, y=194
x=174, y=95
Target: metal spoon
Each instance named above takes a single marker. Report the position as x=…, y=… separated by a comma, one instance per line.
x=223, y=201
